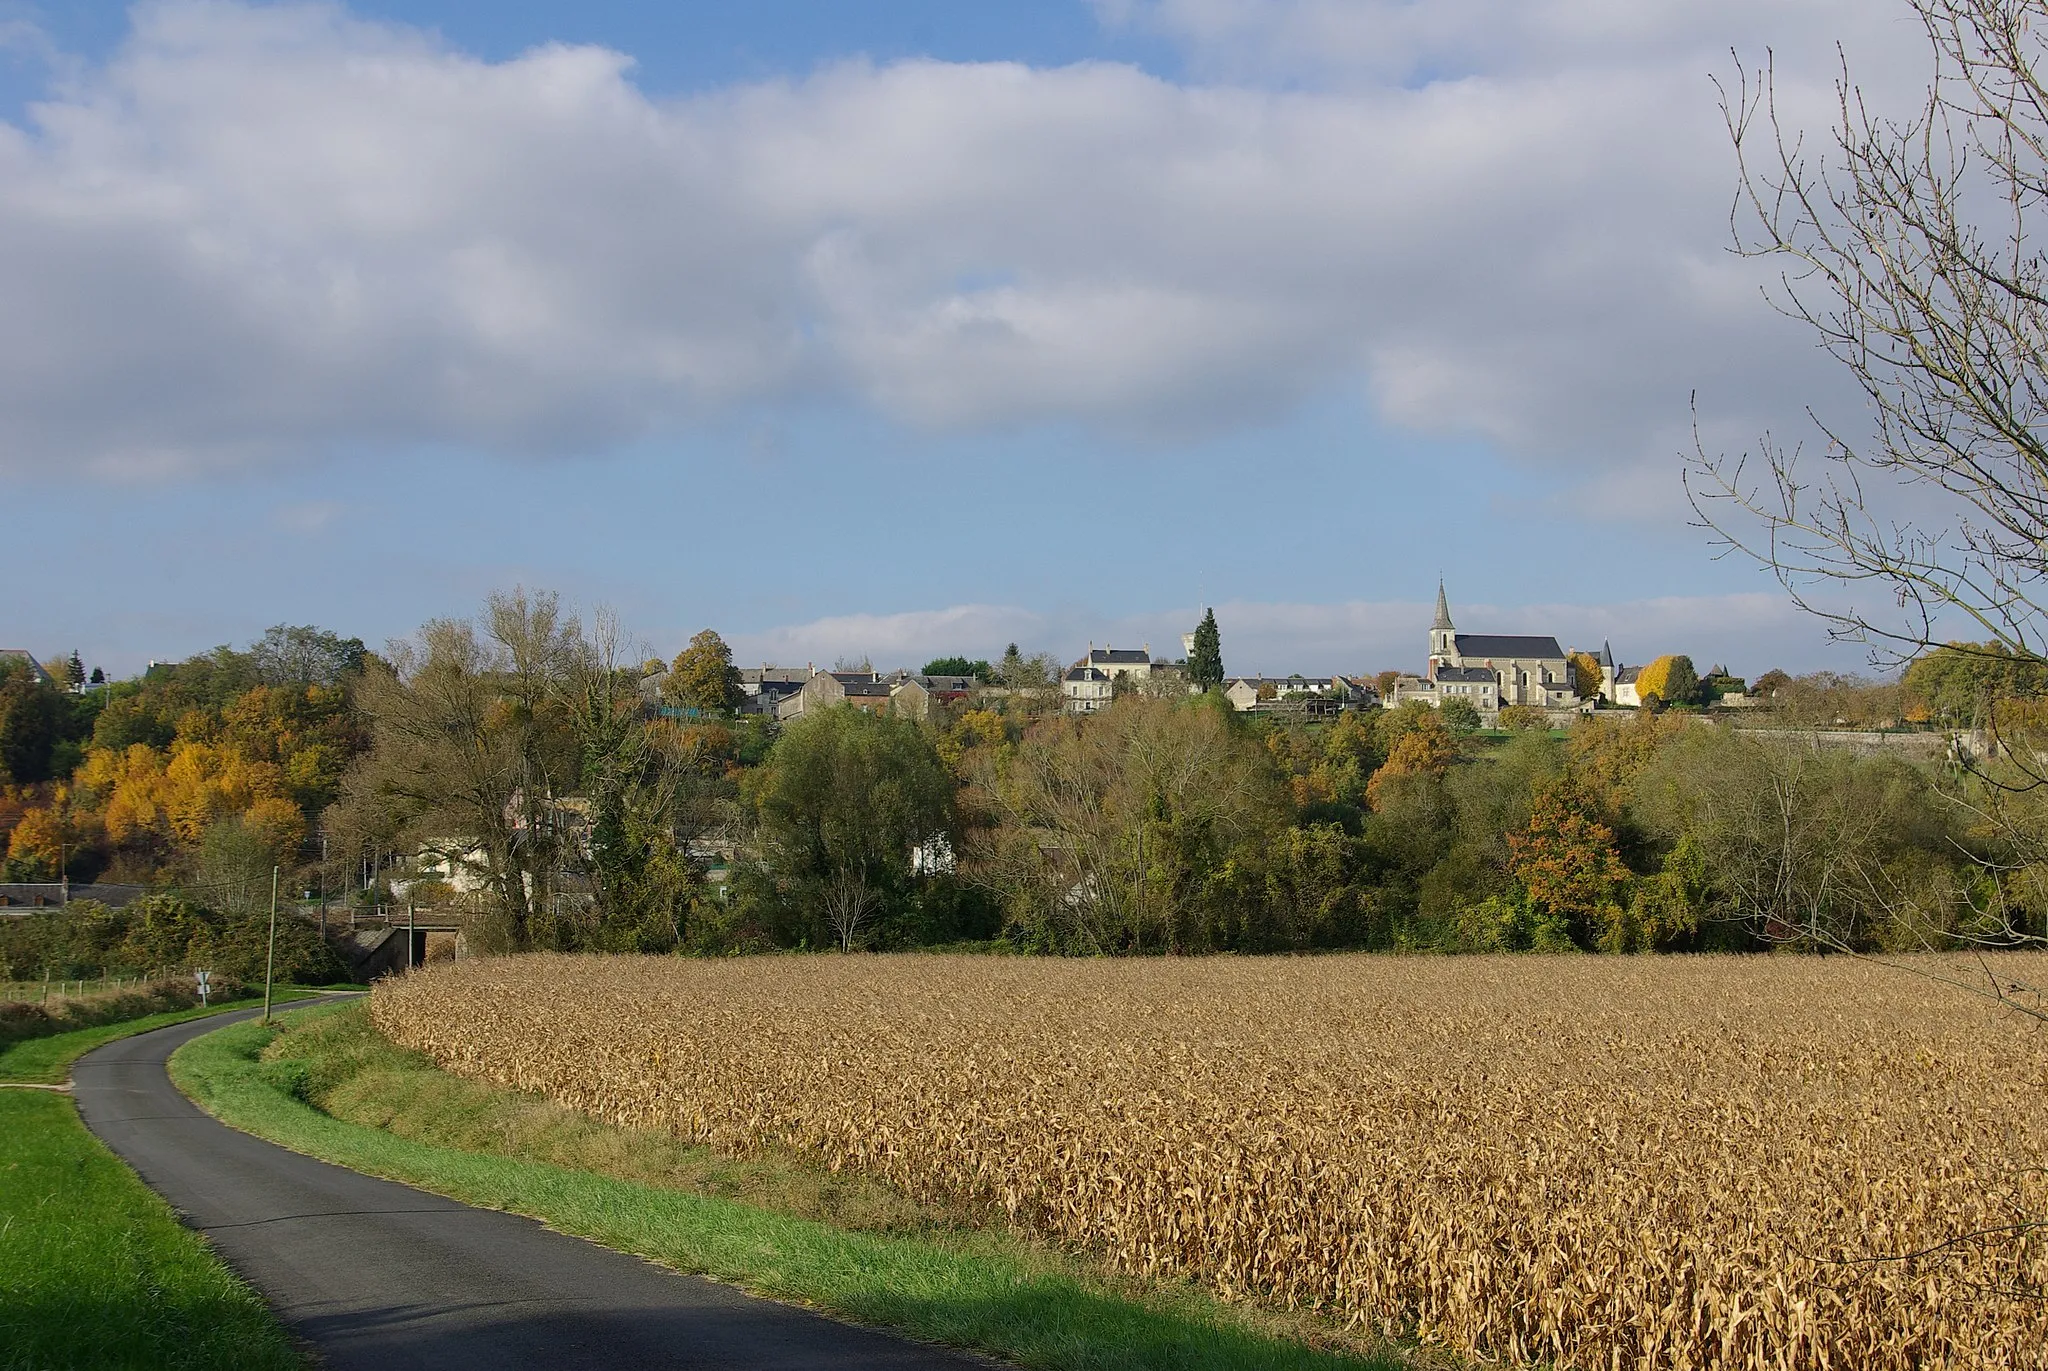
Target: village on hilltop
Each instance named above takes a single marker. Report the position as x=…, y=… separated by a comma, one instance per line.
x=1487, y=671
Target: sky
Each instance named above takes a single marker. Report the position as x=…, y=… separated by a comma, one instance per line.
x=897, y=329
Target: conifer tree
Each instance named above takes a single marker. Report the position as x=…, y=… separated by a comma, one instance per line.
x=1205, y=663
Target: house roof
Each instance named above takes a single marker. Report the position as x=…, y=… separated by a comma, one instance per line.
x=1508, y=645
x=1303, y=681
x=1627, y=675
x=864, y=688
x=1085, y=673
x=759, y=675
x=10, y=656
x=946, y=683
x=1118, y=656
x=849, y=678
x=1467, y=674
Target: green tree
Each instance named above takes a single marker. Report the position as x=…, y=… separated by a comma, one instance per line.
x=704, y=678
x=1120, y=831
x=32, y=715
x=1460, y=715
x=978, y=668
x=1960, y=684
x=644, y=796
x=1205, y=663
x=846, y=802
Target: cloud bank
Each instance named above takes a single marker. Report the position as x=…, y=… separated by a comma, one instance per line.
x=272, y=233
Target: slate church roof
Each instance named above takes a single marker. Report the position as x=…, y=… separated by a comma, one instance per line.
x=1508, y=645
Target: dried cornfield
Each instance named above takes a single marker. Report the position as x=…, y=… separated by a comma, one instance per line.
x=1602, y=1162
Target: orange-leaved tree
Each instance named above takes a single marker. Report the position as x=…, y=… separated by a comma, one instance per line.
x=1424, y=751
x=1566, y=861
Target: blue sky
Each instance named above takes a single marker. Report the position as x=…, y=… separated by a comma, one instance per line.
x=890, y=328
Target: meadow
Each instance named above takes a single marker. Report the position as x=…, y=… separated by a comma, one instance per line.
x=1645, y=1162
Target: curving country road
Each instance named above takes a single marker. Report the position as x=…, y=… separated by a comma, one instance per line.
x=380, y=1276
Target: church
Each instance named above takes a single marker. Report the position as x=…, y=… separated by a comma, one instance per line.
x=1490, y=670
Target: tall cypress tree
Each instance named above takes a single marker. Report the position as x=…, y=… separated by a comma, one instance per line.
x=1205, y=664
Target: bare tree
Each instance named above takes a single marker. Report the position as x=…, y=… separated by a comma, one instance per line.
x=1904, y=245
x=848, y=901
x=1905, y=248
x=471, y=741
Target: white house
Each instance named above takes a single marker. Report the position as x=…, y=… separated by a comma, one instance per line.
x=1086, y=689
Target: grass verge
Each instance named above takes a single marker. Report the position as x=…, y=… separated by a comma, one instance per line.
x=95, y=1270
x=47, y=1061
x=840, y=1244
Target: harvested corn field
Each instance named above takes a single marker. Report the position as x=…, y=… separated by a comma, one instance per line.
x=1607, y=1163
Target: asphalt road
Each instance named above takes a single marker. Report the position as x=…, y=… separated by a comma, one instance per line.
x=380, y=1276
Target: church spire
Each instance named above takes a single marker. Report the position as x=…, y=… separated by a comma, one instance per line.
x=1443, y=607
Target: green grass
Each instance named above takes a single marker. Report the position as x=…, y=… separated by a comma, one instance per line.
x=835, y=1243
x=96, y=1272
x=47, y=1061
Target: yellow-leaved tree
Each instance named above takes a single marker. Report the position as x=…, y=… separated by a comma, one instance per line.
x=1670, y=678
x=1585, y=674
x=35, y=848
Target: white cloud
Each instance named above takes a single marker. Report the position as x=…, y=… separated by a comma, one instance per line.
x=1749, y=632
x=274, y=231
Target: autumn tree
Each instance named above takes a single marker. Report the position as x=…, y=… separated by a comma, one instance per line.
x=1586, y=675
x=1568, y=866
x=36, y=847
x=1671, y=679
x=1423, y=750
x=704, y=678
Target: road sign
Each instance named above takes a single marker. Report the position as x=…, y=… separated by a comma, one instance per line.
x=204, y=979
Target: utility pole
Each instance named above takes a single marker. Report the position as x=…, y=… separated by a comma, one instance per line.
x=270, y=959
x=409, y=945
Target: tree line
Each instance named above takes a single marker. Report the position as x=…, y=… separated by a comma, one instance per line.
x=574, y=795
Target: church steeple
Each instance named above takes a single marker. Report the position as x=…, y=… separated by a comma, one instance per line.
x=1443, y=638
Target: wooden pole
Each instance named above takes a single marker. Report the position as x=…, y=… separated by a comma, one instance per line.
x=270, y=960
